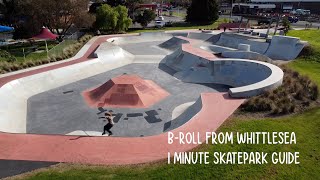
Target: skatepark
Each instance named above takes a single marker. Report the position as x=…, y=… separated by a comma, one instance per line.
x=151, y=82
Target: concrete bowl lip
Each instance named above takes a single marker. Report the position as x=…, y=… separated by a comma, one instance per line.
x=275, y=76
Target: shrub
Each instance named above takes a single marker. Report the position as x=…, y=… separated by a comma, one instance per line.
x=59, y=58
x=6, y=67
x=30, y=63
x=24, y=65
x=314, y=92
x=307, y=51
x=2, y=71
x=7, y=56
x=295, y=93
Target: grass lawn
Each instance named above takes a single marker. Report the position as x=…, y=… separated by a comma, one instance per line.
x=54, y=49
x=305, y=125
x=309, y=66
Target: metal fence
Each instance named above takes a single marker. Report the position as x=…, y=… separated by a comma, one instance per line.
x=58, y=49
x=68, y=40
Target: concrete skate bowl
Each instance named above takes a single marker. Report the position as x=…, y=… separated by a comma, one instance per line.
x=247, y=77
x=108, y=56
x=15, y=98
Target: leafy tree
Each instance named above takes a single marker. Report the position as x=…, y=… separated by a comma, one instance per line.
x=286, y=25
x=55, y=14
x=106, y=18
x=112, y=18
x=124, y=21
x=203, y=11
x=132, y=6
x=9, y=9
x=145, y=17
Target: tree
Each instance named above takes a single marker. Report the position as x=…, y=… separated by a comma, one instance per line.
x=112, y=18
x=9, y=9
x=132, y=6
x=286, y=25
x=106, y=17
x=145, y=17
x=203, y=11
x=58, y=15
x=124, y=21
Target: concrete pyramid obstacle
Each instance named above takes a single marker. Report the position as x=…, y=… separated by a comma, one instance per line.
x=125, y=91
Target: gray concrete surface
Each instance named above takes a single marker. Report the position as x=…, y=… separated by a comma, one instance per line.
x=145, y=48
x=63, y=110
x=10, y=168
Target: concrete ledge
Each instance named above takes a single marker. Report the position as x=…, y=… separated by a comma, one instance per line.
x=216, y=49
x=246, y=55
x=232, y=41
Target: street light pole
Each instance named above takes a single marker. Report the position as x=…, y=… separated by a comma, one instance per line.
x=230, y=20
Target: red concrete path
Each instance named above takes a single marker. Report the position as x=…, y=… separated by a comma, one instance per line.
x=217, y=107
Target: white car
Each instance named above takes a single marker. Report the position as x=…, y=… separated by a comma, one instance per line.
x=160, y=18
x=159, y=24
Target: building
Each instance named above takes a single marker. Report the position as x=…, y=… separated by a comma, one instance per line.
x=277, y=6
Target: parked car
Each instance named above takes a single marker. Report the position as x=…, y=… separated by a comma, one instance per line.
x=160, y=18
x=159, y=24
x=293, y=19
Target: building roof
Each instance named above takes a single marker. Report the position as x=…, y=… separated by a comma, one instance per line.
x=280, y=1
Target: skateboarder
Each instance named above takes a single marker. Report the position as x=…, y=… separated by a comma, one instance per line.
x=109, y=125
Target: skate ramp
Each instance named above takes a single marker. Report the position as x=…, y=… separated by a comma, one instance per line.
x=187, y=56
x=284, y=48
x=187, y=115
x=214, y=38
x=182, y=34
x=111, y=53
x=173, y=43
x=126, y=91
x=200, y=36
x=232, y=41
